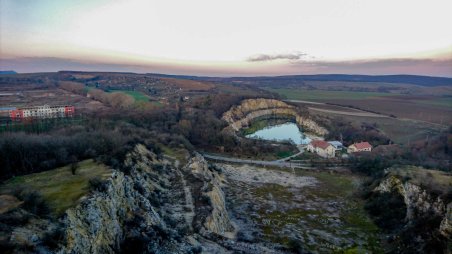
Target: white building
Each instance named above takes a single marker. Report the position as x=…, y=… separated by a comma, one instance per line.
x=322, y=148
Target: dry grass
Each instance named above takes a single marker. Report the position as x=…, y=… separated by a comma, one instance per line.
x=83, y=76
x=190, y=85
x=59, y=187
x=435, y=180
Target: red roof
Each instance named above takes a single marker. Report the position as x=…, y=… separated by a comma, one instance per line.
x=320, y=143
x=362, y=145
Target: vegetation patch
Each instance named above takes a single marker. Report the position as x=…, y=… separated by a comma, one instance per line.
x=137, y=95
x=59, y=187
x=322, y=95
x=327, y=217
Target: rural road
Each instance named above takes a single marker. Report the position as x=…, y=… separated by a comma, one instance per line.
x=307, y=102
x=245, y=161
x=349, y=113
x=301, y=151
x=355, y=112
x=282, y=164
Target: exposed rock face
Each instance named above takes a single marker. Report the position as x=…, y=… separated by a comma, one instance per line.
x=101, y=223
x=250, y=105
x=96, y=225
x=243, y=114
x=446, y=224
x=417, y=200
x=217, y=221
x=424, y=210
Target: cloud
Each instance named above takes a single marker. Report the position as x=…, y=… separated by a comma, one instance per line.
x=267, y=57
x=431, y=67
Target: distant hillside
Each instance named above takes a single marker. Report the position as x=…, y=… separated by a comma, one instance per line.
x=405, y=79
x=7, y=72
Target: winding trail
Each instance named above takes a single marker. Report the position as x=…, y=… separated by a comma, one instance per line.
x=189, y=215
x=278, y=163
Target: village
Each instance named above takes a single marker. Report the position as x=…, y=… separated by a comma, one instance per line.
x=45, y=111
x=324, y=149
x=329, y=149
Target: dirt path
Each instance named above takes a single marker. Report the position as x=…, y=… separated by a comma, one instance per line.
x=307, y=102
x=349, y=113
x=253, y=175
x=189, y=215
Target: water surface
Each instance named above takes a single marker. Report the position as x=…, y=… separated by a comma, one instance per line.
x=281, y=132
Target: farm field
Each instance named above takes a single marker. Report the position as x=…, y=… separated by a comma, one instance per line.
x=405, y=108
x=434, y=109
x=322, y=95
x=400, y=131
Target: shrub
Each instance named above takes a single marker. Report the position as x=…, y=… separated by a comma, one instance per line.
x=295, y=246
x=388, y=210
x=196, y=249
x=35, y=203
x=97, y=184
x=53, y=238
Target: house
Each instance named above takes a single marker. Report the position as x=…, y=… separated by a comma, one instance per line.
x=322, y=148
x=337, y=145
x=360, y=147
x=45, y=111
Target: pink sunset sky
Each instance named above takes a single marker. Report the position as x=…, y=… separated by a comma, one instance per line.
x=228, y=38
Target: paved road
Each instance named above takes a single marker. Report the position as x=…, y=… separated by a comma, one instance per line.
x=301, y=151
x=257, y=162
x=282, y=164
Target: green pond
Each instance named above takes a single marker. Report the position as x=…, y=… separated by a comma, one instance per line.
x=288, y=131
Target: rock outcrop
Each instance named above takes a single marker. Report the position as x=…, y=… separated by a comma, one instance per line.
x=446, y=224
x=417, y=200
x=97, y=224
x=420, y=203
x=149, y=202
x=242, y=115
x=208, y=190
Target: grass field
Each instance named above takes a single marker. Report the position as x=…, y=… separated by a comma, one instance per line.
x=444, y=102
x=137, y=95
x=322, y=95
x=191, y=85
x=433, y=109
x=401, y=131
x=59, y=187
x=439, y=181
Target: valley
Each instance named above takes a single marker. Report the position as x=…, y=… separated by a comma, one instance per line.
x=170, y=165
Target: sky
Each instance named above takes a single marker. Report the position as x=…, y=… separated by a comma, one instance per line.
x=228, y=37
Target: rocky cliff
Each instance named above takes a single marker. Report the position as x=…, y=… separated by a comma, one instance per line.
x=420, y=203
x=149, y=203
x=417, y=200
x=97, y=224
x=207, y=187
x=446, y=224
x=242, y=115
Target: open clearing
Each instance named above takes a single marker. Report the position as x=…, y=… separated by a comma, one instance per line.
x=59, y=187
x=429, y=108
x=401, y=131
x=137, y=95
x=322, y=95
x=436, y=180
x=318, y=209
